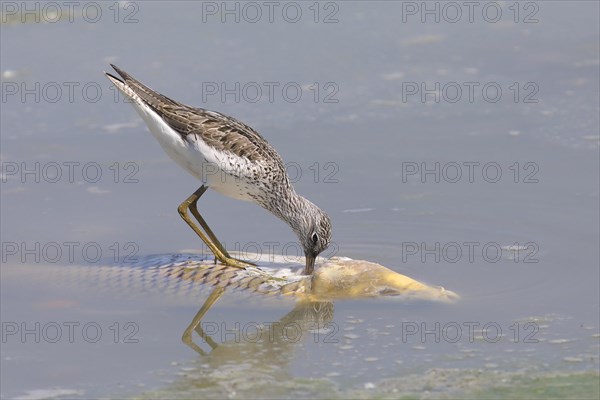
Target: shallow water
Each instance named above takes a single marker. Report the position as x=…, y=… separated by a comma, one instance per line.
x=353, y=158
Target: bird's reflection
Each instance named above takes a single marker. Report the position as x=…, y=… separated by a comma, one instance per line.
x=266, y=342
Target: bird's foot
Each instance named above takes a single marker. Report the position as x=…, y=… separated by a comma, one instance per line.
x=234, y=262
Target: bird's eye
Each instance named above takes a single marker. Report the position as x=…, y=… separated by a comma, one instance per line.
x=315, y=237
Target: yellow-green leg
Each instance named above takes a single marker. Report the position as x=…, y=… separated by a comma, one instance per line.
x=193, y=207
x=213, y=243
x=194, y=210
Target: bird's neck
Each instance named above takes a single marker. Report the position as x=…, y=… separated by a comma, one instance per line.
x=292, y=208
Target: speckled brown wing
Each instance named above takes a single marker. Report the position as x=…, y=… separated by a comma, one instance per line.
x=219, y=131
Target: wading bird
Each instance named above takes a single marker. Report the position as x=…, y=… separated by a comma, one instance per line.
x=242, y=165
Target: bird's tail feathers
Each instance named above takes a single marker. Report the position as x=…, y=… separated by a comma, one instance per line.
x=137, y=91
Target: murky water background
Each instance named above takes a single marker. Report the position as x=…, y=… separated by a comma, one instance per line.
x=353, y=140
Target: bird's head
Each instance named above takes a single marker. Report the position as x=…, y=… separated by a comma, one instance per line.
x=314, y=234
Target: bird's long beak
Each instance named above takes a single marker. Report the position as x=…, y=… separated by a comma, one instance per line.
x=310, y=264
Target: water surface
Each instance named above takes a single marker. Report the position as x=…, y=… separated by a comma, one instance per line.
x=350, y=157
